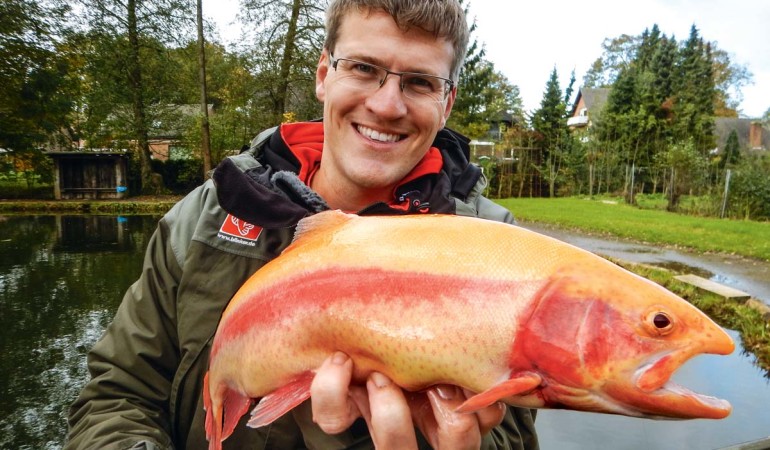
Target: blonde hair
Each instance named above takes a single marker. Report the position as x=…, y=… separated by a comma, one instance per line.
x=443, y=18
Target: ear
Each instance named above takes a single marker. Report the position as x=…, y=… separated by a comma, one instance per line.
x=320, y=75
x=450, y=101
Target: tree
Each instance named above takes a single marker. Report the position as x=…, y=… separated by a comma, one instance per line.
x=550, y=122
x=205, y=133
x=686, y=168
x=617, y=55
x=750, y=188
x=132, y=25
x=35, y=82
x=468, y=112
x=619, y=52
x=732, y=151
x=284, y=53
x=695, y=88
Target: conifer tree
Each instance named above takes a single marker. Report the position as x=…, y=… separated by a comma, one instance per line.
x=550, y=122
x=694, y=84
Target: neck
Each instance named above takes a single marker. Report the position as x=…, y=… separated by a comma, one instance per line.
x=347, y=198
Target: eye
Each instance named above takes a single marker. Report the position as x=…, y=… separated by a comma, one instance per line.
x=660, y=323
x=364, y=69
x=421, y=83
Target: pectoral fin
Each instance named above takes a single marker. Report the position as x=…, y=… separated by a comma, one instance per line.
x=282, y=400
x=519, y=384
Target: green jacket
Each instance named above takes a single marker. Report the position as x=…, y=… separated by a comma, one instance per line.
x=147, y=370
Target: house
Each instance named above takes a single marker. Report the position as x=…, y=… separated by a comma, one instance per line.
x=589, y=102
x=752, y=135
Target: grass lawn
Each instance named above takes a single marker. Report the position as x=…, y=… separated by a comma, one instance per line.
x=746, y=238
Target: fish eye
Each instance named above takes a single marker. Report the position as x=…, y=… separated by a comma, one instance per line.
x=662, y=323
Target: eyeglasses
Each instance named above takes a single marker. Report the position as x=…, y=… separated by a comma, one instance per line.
x=370, y=77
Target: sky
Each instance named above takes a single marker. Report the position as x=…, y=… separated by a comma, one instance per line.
x=526, y=39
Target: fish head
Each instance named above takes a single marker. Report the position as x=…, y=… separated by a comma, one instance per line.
x=606, y=340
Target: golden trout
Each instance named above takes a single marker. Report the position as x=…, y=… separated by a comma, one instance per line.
x=499, y=310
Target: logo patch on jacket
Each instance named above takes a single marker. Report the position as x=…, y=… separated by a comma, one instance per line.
x=240, y=232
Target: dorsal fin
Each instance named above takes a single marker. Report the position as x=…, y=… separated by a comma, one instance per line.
x=324, y=220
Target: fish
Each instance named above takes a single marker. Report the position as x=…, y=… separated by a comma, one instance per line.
x=504, y=312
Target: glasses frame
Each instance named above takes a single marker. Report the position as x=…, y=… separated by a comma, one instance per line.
x=448, y=84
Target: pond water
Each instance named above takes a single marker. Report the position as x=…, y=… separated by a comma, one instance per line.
x=62, y=278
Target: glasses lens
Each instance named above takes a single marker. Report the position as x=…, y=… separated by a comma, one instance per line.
x=359, y=75
x=419, y=87
x=416, y=86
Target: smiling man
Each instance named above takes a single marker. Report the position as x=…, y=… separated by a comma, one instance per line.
x=387, y=79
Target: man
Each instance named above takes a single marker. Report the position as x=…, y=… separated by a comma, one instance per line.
x=387, y=79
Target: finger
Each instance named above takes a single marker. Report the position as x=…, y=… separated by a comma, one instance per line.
x=489, y=417
x=333, y=409
x=390, y=419
x=448, y=429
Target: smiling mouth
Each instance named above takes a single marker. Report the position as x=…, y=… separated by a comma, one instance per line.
x=378, y=136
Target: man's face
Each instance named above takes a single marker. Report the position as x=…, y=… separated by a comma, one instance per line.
x=373, y=138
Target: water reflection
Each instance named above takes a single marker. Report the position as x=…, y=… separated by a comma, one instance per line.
x=92, y=234
x=61, y=279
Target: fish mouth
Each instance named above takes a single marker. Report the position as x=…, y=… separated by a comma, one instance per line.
x=657, y=396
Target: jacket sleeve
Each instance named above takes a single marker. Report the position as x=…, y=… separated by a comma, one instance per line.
x=125, y=404
x=516, y=432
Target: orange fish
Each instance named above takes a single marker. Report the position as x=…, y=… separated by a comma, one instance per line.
x=511, y=314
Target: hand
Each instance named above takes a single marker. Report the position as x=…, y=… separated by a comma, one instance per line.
x=391, y=414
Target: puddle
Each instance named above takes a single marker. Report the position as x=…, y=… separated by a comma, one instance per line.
x=747, y=275
x=685, y=269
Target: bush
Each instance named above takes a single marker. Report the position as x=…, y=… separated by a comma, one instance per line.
x=750, y=189
x=20, y=190
x=180, y=176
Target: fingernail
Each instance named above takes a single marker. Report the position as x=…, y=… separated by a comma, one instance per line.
x=339, y=358
x=446, y=392
x=379, y=379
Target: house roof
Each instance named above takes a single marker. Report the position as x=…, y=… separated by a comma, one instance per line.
x=593, y=98
x=723, y=126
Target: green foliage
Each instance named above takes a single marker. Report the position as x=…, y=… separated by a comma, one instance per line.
x=484, y=95
x=550, y=123
x=180, y=176
x=284, y=39
x=662, y=93
x=686, y=170
x=750, y=189
x=35, y=85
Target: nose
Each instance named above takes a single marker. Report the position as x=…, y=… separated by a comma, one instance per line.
x=388, y=101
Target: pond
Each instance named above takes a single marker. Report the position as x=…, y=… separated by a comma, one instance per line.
x=62, y=278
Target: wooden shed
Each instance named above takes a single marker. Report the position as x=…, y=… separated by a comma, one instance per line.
x=90, y=175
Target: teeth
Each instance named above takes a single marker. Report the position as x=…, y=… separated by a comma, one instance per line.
x=377, y=136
